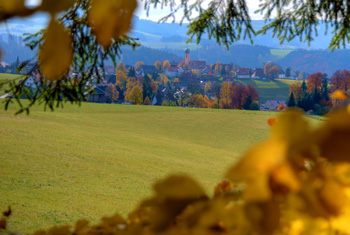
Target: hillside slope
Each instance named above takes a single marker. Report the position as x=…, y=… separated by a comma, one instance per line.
x=98, y=159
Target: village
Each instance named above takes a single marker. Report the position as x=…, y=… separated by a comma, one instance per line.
x=187, y=83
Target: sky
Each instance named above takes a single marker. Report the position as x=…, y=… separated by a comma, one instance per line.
x=34, y=23
x=156, y=14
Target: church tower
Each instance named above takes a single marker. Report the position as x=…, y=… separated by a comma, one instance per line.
x=187, y=56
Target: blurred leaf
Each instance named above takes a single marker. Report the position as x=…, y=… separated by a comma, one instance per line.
x=110, y=19
x=55, y=56
x=54, y=6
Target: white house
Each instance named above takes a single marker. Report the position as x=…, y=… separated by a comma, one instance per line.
x=32, y=82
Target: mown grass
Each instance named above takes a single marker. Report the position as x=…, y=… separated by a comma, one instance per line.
x=93, y=161
x=269, y=90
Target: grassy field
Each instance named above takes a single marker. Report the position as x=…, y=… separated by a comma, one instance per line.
x=269, y=90
x=280, y=52
x=5, y=77
x=87, y=162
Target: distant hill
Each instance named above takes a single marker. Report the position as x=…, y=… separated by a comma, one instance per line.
x=317, y=61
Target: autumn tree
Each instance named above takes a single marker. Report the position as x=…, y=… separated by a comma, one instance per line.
x=267, y=68
x=154, y=86
x=120, y=79
x=166, y=64
x=239, y=96
x=207, y=87
x=253, y=92
x=314, y=81
x=135, y=95
x=166, y=80
x=218, y=67
x=111, y=93
x=158, y=65
x=301, y=76
x=225, y=99
x=176, y=80
x=139, y=64
x=296, y=89
x=340, y=80
x=130, y=84
x=121, y=67
x=274, y=72
x=281, y=107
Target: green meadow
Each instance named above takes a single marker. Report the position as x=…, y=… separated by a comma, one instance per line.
x=280, y=53
x=99, y=159
x=6, y=77
x=269, y=90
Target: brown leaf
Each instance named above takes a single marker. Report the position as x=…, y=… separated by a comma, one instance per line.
x=3, y=224
x=54, y=6
x=12, y=6
x=333, y=137
x=56, y=54
x=8, y=212
x=173, y=195
x=110, y=19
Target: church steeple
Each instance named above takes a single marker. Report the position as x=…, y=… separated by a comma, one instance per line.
x=187, y=56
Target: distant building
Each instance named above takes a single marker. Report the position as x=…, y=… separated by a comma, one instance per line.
x=194, y=66
x=172, y=71
x=98, y=96
x=282, y=75
x=273, y=104
x=228, y=79
x=32, y=81
x=243, y=73
x=258, y=73
x=146, y=69
x=109, y=70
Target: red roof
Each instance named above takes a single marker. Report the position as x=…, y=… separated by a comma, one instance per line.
x=173, y=69
x=243, y=71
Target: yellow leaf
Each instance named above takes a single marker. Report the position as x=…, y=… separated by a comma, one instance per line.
x=264, y=216
x=55, y=56
x=54, y=6
x=12, y=6
x=173, y=195
x=292, y=128
x=255, y=168
x=110, y=19
x=332, y=197
x=339, y=95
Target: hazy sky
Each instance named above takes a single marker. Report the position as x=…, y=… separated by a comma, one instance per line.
x=156, y=14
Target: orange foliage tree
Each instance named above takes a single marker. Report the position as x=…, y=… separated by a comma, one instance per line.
x=136, y=95
x=225, y=101
x=340, y=81
x=314, y=81
x=207, y=87
x=296, y=89
x=120, y=79
x=158, y=65
x=166, y=64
